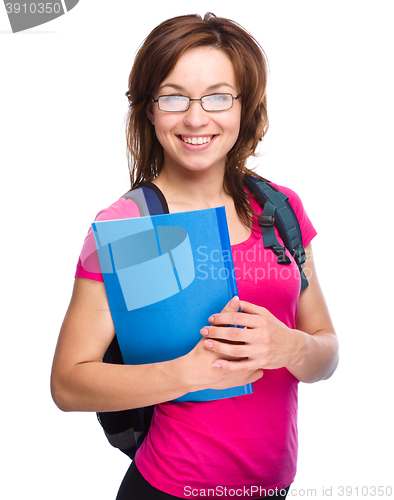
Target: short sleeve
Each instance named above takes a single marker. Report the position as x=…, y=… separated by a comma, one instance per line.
x=88, y=263
x=307, y=229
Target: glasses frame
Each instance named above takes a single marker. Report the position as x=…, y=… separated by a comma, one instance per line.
x=197, y=100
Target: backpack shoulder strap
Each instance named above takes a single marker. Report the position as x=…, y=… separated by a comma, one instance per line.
x=278, y=212
x=149, y=199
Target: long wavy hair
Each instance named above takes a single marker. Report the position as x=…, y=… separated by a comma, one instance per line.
x=156, y=59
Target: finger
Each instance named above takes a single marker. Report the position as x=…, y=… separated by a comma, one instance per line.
x=233, y=318
x=225, y=349
x=257, y=375
x=228, y=333
x=238, y=366
x=233, y=305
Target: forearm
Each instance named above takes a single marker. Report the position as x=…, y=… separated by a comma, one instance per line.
x=98, y=387
x=318, y=357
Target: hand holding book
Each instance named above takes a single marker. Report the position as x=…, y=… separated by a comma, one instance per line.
x=198, y=370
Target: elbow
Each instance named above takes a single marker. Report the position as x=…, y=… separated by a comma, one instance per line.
x=327, y=370
x=319, y=367
x=60, y=400
x=334, y=359
x=61, y=395
x=333, y=367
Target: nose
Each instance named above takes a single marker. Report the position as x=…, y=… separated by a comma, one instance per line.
x=195, y=116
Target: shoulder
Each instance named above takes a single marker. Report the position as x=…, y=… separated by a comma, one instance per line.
x=88, y=264
x=123, y=208
x=294, y=199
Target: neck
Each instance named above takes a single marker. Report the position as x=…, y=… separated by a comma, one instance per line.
x=188, y=190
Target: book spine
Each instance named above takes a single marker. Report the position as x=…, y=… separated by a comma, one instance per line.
x=226, y=250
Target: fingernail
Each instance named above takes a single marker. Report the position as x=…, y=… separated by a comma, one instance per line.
x=212, y=318
x=209, y=344
x=233, y=301
x=217, y=365
x=204, y=332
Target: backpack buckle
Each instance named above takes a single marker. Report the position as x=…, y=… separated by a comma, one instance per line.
x=280, y=252
x=299, y=255
x=266, y=220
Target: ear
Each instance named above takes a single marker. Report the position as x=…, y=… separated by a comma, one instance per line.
x=150, y=114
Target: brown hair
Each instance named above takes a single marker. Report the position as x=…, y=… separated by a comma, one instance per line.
x=156, y=59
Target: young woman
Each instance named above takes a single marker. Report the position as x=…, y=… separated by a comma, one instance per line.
x=197, y=112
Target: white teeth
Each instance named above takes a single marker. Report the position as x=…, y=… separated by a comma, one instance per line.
x=196, y=140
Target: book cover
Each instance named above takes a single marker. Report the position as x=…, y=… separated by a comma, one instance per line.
x=164, y=276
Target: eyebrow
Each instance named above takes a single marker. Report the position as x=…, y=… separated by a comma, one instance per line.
x=209, y=89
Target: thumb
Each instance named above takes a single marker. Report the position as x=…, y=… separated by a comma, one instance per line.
x=256, y=375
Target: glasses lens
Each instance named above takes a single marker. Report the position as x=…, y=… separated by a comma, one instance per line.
x=217, y=102
x=173, y=103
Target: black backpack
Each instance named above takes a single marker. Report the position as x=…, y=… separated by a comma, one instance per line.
x=127, y=429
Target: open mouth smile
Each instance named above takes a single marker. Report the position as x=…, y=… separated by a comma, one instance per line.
x=197, y=141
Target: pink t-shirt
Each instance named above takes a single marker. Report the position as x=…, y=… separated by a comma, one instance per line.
x=246, y=443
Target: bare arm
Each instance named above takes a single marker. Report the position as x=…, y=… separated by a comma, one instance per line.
x=316, y=328
x=309, y=352
x=80, y=381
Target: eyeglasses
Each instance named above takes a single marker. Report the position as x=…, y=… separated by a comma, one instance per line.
x=179, y=103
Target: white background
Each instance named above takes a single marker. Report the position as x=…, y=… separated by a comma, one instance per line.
x=62, y=157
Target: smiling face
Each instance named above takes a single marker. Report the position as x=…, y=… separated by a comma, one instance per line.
x=198, y=140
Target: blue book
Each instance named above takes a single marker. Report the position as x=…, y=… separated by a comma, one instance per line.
x=164, y=276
